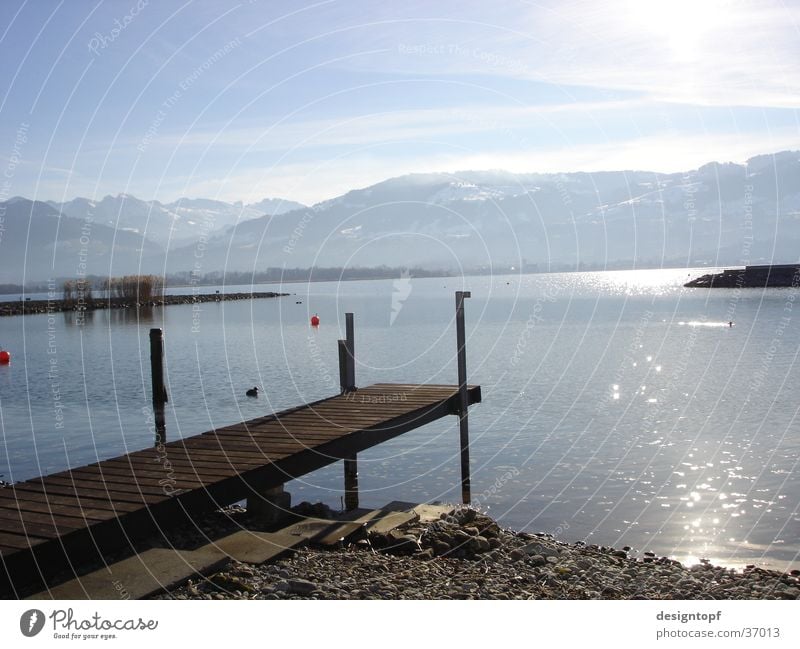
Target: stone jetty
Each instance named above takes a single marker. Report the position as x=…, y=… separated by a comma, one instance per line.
x=769, y=276
x=28, y=307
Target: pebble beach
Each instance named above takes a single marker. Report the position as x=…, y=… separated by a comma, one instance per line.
x=467, y=555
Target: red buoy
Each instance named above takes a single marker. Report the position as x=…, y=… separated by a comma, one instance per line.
x=315, y=320
x=5, y=357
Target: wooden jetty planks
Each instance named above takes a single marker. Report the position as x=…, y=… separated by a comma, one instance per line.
x=215, y=468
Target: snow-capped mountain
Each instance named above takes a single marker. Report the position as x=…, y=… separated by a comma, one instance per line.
x=274, y=206
x=719, y=214
x=495, y=218
x=169, y=223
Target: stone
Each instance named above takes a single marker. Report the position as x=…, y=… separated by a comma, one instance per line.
x=301, y=586
x=516, y=554
x=440, y=547
x=537, y=560
x=465, y=515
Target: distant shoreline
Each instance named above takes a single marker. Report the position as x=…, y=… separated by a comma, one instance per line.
x=185, y=280
x=32, y=307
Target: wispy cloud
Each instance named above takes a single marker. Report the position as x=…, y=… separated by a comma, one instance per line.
x=315, y=181
x=371, y=128
x=706, y=52
x=346, y=94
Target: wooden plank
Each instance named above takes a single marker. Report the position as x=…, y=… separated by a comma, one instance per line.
x=62, y=499
x=268, y=455
x=147, y=478
x=220, y=446
x=180, y=454
x=31, y=528
x=300, y=431
x=38, y=524
x=273, y=440
x=60, y=510
x=188, y=465
x=19, y=542
x=237, y=459
x=176, y=468
x=270, y=447
x=96, y=487
x=219, y=467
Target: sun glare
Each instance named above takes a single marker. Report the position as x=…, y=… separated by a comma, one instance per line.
x=681, y=25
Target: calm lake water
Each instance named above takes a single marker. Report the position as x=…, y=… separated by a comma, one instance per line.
x=618, y=407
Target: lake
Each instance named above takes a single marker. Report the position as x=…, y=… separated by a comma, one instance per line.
x=618, y=407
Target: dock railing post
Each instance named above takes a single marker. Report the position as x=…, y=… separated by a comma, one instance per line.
x=159, y=391
x=342, y=346
x=347, y=357
x=350, y=337
x=463, y=405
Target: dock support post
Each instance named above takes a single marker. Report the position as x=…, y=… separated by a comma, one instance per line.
x=269, y=506
x=350, y=337
x=159, y=391
x=351, y=482
x=347, y=357
x=342, y=345
x=463, y=406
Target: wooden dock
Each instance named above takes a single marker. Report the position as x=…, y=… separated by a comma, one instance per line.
x=50, y=526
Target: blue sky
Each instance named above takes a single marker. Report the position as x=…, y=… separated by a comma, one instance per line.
x=241, y=101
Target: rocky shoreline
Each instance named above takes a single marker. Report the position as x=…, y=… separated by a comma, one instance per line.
x=467, y=555
x=29, y=307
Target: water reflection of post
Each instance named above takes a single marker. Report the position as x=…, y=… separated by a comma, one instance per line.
x=159, y=391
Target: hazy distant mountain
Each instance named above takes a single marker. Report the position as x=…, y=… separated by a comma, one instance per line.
x=181, y=221
x=718, y=214
x=721, y=214
x=38, y=243
x=274, y=206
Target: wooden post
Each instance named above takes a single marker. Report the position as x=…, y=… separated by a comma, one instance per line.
x=351, y=482
x=342, y=345
x=350, y=337
x=463, y=406
x=159, y=391
x=347, y=357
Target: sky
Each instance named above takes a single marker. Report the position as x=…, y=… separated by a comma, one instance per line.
x=305, y=100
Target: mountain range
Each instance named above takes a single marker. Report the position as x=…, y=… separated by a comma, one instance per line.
x=718, y=214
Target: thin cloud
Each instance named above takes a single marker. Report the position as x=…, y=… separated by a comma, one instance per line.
x=324, y=179
x=360, y=129
x=704, y=52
